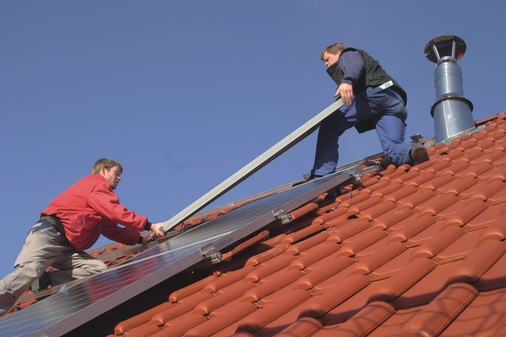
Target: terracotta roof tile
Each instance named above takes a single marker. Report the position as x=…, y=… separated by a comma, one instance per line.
x=303, y=327
x=440, y=312
x=395, y=215
x=407, y=251
x=319, y=272
x=365, y=321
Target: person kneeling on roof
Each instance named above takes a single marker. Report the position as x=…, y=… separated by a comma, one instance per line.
x=72, y=223
x=373, y=100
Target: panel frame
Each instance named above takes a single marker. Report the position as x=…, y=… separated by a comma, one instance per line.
x=256, y=164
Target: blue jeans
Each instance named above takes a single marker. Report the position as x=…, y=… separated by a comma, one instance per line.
x=384, y=108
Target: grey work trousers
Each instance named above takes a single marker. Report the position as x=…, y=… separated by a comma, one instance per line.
x=45, y=247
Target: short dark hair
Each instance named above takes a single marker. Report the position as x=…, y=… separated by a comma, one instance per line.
x=333, y=49
x=107, y=163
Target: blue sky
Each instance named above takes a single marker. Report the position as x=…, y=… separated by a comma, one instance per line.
x=185, y=93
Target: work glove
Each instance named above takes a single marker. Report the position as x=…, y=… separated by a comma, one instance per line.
x=147, y=237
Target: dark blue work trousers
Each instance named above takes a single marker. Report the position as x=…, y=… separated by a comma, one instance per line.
x=383, y=107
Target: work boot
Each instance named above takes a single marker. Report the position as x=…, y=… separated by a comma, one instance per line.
x=305, y=178
x=42, y=283
x=418, y=153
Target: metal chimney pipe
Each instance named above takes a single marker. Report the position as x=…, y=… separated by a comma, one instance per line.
x=451, y=110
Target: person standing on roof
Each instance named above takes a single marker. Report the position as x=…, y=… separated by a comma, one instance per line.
x=72, y=223
x=373, y=100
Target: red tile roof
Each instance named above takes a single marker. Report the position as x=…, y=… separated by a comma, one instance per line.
x=410, y=251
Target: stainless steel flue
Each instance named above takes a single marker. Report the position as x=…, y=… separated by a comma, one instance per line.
x=451, y=110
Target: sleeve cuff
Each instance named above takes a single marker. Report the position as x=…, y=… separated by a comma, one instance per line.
x=148, y=226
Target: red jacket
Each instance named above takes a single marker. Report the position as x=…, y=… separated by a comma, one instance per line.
x=90, y=208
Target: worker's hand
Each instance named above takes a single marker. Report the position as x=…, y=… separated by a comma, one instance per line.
x=157, y=229
x=346, y=92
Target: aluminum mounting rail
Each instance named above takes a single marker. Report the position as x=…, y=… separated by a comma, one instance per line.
x=286, y=143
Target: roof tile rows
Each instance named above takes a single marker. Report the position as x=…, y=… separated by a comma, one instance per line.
x=412, y=251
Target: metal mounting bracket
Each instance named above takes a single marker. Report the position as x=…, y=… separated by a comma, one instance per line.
x=209, y=251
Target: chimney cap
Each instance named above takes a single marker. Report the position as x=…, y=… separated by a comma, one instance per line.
x=445, y=45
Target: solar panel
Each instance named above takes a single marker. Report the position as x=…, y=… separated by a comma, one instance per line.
x=78, y=304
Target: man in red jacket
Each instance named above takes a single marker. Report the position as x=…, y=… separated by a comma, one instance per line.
x=71, y=223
